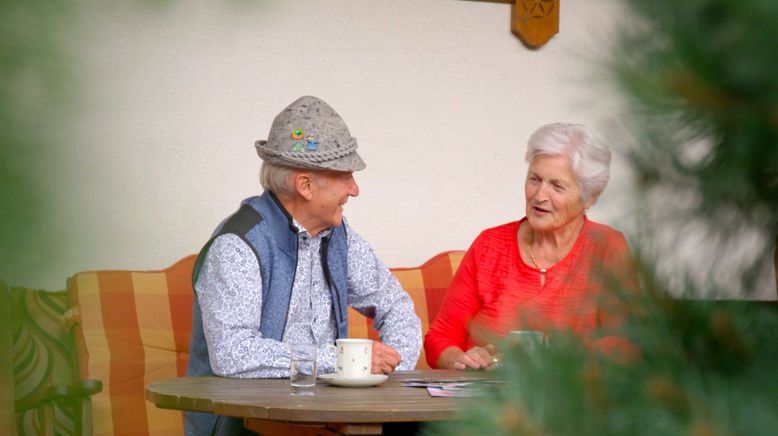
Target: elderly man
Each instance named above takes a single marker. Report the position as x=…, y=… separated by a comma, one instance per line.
x=286, y=265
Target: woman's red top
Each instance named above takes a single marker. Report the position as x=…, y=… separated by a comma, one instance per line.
x=494, y=291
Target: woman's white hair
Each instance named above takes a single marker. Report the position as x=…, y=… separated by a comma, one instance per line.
x=277, y=179
x=591, y=160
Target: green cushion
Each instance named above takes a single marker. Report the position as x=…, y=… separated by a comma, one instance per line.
x=43, y=356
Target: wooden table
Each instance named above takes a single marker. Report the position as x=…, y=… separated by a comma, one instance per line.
x=267, y=406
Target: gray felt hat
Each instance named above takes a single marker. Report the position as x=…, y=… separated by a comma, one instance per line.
x=310, y=134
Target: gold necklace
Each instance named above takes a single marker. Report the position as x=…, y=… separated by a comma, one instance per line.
x=535, y=263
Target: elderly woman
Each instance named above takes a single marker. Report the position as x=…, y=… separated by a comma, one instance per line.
x=544, y=272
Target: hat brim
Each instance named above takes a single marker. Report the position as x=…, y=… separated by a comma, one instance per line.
x=349, y=163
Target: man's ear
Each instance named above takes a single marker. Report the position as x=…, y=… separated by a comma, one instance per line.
x=303, y=184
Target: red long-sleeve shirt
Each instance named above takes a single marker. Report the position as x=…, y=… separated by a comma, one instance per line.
x=494, y=291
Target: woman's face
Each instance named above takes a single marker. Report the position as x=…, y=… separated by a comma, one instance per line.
x=552, y=194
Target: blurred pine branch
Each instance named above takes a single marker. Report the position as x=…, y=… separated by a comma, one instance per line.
x=701, y=82
x=703, y=87
x=34, y=92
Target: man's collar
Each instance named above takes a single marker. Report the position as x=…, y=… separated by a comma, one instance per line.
x=295, y=226
x=300, y=230
x=280, y=205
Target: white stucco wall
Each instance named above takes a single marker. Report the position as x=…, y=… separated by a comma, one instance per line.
x=440, y=95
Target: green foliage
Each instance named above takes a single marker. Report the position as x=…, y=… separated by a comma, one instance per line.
x=33, y=96
x=703, y=84
x=701, y=81
x=704, y=368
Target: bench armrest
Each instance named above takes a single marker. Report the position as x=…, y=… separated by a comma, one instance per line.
x=61, y=393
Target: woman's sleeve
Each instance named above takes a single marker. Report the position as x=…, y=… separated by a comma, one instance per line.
x=459, y=306
x=619, y=282
x=621, y=285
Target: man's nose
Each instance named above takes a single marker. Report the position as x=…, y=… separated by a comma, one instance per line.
x=353, y=188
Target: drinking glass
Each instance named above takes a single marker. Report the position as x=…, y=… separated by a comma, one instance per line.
x=302, y=378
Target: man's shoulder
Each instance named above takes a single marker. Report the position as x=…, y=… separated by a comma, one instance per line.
x=242, y=221
x=227, y=244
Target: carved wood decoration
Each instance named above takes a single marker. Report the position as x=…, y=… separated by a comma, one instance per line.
x=533, y=21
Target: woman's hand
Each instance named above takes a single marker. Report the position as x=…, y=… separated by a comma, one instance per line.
x=474, y=358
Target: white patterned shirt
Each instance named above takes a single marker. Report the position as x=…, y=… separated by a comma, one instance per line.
x=229, y=290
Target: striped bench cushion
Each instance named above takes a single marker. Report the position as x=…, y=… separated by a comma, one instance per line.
x=135, y=329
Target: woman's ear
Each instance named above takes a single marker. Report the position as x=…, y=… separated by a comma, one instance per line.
x=303, y=184
x=590, y=202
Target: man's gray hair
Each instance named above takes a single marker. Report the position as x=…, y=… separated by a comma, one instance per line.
x=277, y=179
x=591, y=160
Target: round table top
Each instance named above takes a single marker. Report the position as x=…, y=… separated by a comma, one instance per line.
x=271, y=399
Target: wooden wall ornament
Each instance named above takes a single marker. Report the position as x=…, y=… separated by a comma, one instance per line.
x=535, y=21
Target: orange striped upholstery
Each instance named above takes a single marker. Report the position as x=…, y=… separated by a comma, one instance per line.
x=135, y=329
x=426, y=284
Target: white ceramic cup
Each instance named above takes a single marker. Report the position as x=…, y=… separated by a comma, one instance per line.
x=354, y=357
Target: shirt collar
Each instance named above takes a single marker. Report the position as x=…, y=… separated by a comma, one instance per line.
x=302, y=233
